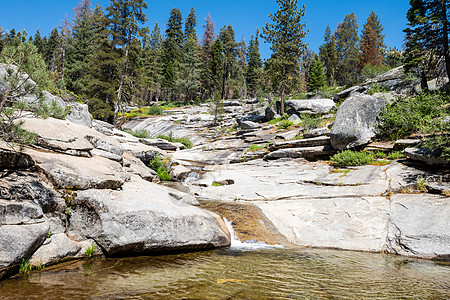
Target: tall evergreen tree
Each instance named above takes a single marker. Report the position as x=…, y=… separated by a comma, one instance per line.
x=347, y=40
x=427, y=35
x=372, y=42
x=152, y=65
x=216, y=66
x=80, y=46
x=126, y=17
x=328, y=56
x=374, y=22
x=191, y=22
x=102, y=72
x=172, y=50
x=286, y=36
x=227, y=37
x=205, y=58
x=238, y=83
x=39, y=43
x=188, y=82
x=316, y=76
x=254, y=65
x=50, y=46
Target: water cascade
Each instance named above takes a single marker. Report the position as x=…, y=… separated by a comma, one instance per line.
x=249, y=245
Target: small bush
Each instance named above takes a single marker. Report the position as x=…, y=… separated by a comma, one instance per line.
x=285, y=124
x=376, y=89
x=52, y=108
x=171, y=138
x=161, y=167
x=309, y=122
x=216, y=184
x=351, y=158
x=422, y=113
x=395, y=155
x=278, y=120
x=140, y=133
x=155, y=110
x=421, y=184
x=254, y=148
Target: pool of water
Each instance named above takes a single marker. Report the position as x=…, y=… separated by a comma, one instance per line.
x=274, y=273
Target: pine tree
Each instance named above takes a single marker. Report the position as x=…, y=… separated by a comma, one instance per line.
x=347, y=40
x=227, y=37
x=254, y=65
x=238, y=75
x=102, y=72
x=39, y=43
x=374, y=22
x=189, y=68
x=370, y=54
x=126, y=17
x=372, y=42
x=190, y=60
x=316, y=78
x=50, y=46
x=286, y=36
x=216, y=66
x=427, y=35
x=205, y=58
x=172, y=50
x=328, y=55
x=191, y=22
x=80, y=46
x=152, y=65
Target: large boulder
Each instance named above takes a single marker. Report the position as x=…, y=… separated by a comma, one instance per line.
x=143, y=218
x=18, y=242
x=310, y=106
x=426, y=156
x=356, y=121
x=79, y=114
x=79, y=173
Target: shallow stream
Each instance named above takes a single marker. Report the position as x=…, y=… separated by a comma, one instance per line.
x=278, y=273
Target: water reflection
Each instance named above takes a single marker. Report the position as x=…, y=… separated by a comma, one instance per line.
x=289, y=273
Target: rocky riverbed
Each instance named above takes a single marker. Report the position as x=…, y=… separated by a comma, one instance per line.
x=85, y=183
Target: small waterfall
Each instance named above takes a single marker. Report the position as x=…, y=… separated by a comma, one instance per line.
x=249, y=245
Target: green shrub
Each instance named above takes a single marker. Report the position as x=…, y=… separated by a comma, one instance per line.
x=51, y=108
x=351, y=158
x=171, y=138
x=155, y=110
x=254, y=148
x=395, y=155
x=140, y=133
x=216, y=184
x=161, y=167
x=422, y=113
x=285, y=124
x=376, y=88
x=421, y=184
x=309, y=122
x=278, y=120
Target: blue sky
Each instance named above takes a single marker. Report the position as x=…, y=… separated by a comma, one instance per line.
x=244, y=15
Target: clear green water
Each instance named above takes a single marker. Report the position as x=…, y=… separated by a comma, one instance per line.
x=290, y=273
